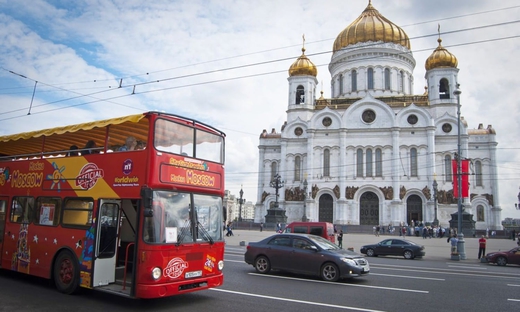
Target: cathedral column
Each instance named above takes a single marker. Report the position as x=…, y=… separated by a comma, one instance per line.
x=430, y=171
x=496, y=210
x=261, y=174
x=283, y=171
x=309, y=168
x=341, y=207
x=395, y=163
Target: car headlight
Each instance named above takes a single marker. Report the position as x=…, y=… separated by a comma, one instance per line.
x=156, y=273
x=221, y=265
x=349, y=261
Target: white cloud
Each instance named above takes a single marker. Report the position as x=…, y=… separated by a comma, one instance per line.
x=71, y=45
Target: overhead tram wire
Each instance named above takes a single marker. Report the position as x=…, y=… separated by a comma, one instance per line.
x=287, y=47
x=255, y=64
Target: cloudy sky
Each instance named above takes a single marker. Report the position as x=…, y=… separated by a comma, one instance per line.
x=225, y=63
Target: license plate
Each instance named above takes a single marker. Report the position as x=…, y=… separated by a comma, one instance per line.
x=193, y=274
x=366, y=268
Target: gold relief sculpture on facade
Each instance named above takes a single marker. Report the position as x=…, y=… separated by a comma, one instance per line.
x=402, y=192
x=426, y=192
x=350, y=191
x=315, y=190
x=388, y=192
x=336, y=191
x=264, y=196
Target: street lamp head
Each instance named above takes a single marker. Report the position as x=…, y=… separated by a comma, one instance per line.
x=457, y=91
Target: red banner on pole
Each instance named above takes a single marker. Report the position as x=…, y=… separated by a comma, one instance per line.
x=464, y=178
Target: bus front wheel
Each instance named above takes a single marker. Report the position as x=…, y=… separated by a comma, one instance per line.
x=66, y=273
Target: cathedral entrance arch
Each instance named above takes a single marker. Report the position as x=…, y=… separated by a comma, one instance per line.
x=326, y=211
x=414, y=209
x=369, y=209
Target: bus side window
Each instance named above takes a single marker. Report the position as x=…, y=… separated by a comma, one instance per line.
x=77, y=212
x=22, y=210
x=48, y=210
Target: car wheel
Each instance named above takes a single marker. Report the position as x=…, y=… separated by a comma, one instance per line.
x=262, y=265
x=330, y=272
x=501, y=261
x=370, y=252
x=408, y=254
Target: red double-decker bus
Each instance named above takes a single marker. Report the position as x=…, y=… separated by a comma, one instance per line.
x=130, y=205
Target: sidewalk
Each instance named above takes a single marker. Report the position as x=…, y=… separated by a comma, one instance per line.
x=436, y=248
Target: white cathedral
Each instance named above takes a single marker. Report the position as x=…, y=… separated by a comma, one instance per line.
x=372, y=153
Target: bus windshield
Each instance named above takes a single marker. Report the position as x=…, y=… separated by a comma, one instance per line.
x=173, y=221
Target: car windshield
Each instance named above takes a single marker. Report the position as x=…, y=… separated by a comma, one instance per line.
x=323, y=243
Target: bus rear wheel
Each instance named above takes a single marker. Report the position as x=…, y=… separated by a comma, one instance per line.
x=66, y=273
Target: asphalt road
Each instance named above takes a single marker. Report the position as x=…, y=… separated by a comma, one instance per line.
x=434, y=283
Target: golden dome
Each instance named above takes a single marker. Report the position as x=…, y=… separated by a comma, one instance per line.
x=441, y=58
x=303, y=67
x=371, y=26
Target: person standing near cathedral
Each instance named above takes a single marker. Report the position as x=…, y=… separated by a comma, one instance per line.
x=340, y=239
x=481, y=247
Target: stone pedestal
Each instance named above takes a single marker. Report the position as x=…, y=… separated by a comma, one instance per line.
x=275, y=216
x=468, y=225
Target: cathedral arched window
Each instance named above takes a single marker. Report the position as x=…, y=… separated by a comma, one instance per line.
x=401, y=81
x=300, y=95
x=274, y=170
x=444, y=89
x=480, y=213
x=368, y=157
x=379, y=163
x=297, y=168
x=354, y=80
x=340, y=84
x=413, y=162
x=370, y=78
x=387, y=79
x=326, y=163
x=447, y=168
x=359, y=168
x=478, y=173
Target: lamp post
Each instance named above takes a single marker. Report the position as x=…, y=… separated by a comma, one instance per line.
x=435, y=220
x=304, y=218
x=460, y=244
x=277, y=183
x=240, y=202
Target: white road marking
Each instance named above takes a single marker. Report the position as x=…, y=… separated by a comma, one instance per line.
x=413, y=277
x=518, y=300
x=295, y=301
x=513, y=285
x=342, y=284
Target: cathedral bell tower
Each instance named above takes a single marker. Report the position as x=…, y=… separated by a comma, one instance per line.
x=302, y=87
x=441, y=75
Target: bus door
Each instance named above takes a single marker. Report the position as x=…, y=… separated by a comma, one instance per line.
x=106, y=242
x=3, y=208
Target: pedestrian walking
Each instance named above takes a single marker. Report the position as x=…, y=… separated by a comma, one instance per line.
x=261, y=226
x=481, y=247
x=340, y=239
x=454, y=241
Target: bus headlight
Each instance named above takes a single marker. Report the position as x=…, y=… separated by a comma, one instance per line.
x=156, y=273
x=221, y=265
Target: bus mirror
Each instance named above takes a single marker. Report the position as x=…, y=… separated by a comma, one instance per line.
x=146, y=194
x=148, y=212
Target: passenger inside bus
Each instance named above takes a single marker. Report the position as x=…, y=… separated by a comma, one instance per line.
x=73, y=151
x=130, y=144
x=90, y=148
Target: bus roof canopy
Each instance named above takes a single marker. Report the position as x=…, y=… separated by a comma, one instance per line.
x=62, y=138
